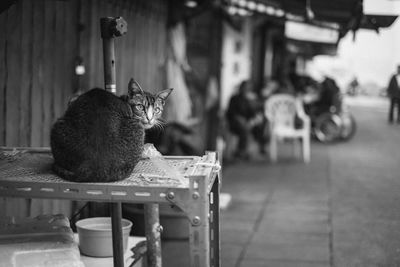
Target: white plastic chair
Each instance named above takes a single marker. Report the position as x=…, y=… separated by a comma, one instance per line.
x=281, y=111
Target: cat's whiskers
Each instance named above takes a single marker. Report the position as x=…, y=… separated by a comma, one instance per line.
x=160, y=124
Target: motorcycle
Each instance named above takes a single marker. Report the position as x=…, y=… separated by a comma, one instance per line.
x=332, y=122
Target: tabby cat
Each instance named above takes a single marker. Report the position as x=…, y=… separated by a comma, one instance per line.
x=100, y=137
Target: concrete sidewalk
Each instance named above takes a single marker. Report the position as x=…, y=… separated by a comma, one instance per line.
x=279, y=215
x=340, y=210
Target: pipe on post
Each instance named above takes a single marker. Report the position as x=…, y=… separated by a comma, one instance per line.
x=111, y=28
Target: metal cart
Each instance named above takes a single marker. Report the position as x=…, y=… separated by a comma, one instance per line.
x=26, y=173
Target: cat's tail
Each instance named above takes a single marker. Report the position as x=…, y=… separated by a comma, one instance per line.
x=96, y=172
x=81, y=174
x=64, y=173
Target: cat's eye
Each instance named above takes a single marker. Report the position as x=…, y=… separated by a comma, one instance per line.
x=157, y=110
x=139, y=107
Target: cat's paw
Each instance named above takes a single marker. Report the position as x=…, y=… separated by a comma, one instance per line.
x=149, y=151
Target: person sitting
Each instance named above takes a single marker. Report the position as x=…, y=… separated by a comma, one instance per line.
x=245, y=118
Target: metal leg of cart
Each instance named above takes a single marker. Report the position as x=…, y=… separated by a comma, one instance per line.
x=204, y=226
x=214, y=225
x=199, y=226
x=153, y=235
x=117, y=236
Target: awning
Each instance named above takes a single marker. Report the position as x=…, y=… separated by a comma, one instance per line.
x=306, y=32
x=309, y=49
x=374, y=22
x=343, y=15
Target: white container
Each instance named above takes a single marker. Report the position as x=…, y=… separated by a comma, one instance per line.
x=95, y=236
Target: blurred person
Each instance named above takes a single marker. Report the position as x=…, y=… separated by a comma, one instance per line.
x=270, y=87
x=393, y=91
x=353, y=87
x=329, y=94
x=245, y=117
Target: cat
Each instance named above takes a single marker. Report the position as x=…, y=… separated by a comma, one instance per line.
x=100, y=138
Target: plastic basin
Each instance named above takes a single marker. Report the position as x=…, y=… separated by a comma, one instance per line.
x=95, y=236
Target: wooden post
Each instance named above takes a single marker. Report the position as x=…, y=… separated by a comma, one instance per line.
x=111, y=28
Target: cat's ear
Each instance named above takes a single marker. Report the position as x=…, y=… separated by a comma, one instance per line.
x=134, y=88
x=163, y=95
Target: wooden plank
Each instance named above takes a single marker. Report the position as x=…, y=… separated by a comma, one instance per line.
x=62, y=37
x=3, y=75
x=13, y=62
x=58, y=43
x=26, y=73
x=132, y=43
x=146, y=40
x=161, y=49
x=37, y=68
x=133, y=30
x=94, y=22
x=102, y=11
x=48, y=90
x=11, y=93
x=38, y=74
x=3, y=70
x=71, y=49
x=50, y=64
x=84, y=48
x=123, y=51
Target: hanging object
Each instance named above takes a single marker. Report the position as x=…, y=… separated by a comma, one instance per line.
x=79, y=67
x=309, y=13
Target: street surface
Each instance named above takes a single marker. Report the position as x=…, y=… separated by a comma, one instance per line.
x=342, y=209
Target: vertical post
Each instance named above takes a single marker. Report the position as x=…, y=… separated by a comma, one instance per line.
x=111, y=28
x=109, y=65
x=153, y=235
x=117, y=236
x=199, y=226
x=215, y=242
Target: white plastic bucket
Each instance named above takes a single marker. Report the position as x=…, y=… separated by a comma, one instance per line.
x=95, y=236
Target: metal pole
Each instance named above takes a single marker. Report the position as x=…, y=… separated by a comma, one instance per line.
x=117, y=236
x=109, y=65
x=111, y=28
x=153, y=231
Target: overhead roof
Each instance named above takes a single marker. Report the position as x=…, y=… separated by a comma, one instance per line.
x=343, y=15
x=339, y=11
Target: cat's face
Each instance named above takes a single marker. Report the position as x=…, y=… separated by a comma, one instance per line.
x=146, y=107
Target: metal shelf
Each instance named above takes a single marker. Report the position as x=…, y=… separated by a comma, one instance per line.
x=26, y=173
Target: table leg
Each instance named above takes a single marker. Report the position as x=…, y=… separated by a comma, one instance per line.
x=117, y=236
x=215, y=242
x=153, y=235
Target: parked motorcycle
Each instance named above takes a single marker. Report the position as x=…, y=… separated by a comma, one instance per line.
x=331, y=119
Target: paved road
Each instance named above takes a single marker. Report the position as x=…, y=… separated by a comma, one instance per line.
x=365, y=193
x=340, y=210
